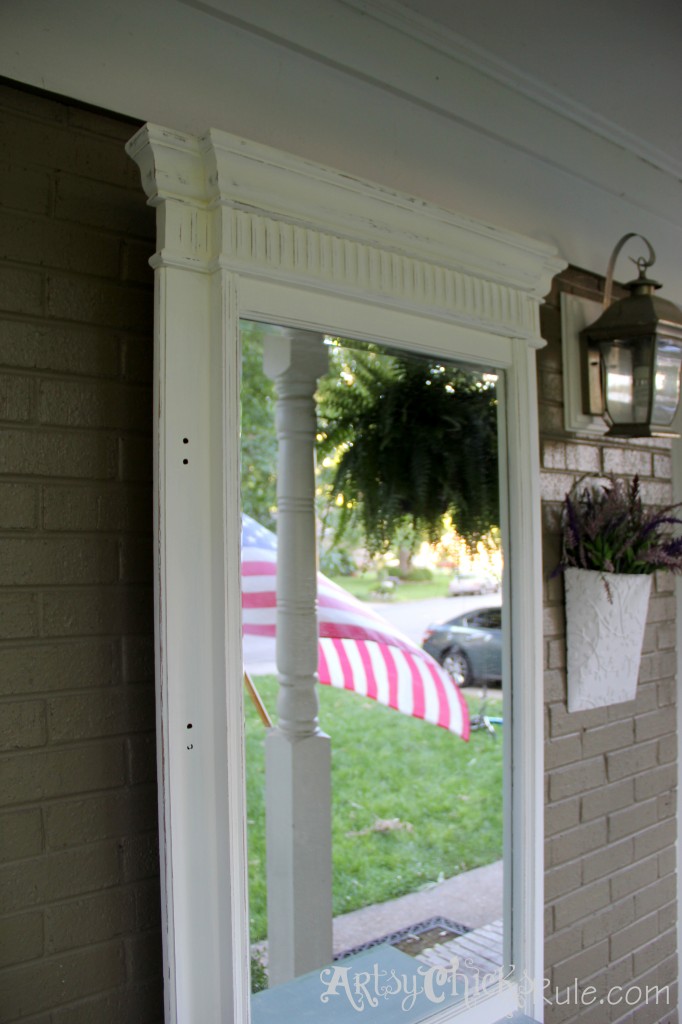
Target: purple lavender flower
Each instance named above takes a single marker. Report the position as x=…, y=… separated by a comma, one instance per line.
x=608, y=528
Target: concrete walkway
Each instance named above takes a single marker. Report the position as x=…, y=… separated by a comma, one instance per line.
x=472, y=899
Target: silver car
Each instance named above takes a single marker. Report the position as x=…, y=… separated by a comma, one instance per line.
x=469, y=646
x=472, y=583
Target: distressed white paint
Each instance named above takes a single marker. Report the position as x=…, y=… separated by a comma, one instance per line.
x=297, y=753
x=524, y=776
x=205, y=281
x=198, y=643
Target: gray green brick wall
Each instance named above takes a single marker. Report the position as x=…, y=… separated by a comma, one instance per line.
x=611, y=773
x=79, y=886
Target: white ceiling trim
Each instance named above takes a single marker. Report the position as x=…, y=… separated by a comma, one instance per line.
x=387, y=46
x=457, y=47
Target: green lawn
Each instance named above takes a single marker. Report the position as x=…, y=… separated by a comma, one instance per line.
x=388, y=766
x=365, y=586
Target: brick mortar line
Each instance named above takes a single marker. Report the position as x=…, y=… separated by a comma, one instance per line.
x=87, y=227
x=35, y=374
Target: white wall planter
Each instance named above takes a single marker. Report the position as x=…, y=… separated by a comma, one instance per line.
x=604, y=635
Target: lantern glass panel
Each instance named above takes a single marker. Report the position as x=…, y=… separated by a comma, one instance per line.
x=618, y=369
x=666, y=382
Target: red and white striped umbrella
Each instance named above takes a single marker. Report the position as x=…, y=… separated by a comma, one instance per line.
x=358, y=649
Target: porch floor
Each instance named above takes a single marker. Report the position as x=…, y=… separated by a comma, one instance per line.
x=472, y=899
x=478, y=953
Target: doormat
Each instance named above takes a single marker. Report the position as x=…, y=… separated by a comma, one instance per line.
x=413, y=939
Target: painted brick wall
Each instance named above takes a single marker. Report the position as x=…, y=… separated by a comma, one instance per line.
x=611, y=773
x=79, y=890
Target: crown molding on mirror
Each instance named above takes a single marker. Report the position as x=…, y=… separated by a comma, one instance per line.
x=250, y=208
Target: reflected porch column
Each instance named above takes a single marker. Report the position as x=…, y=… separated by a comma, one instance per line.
x=297, y=753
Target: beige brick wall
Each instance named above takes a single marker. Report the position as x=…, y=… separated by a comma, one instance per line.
x=611, y=773
x=79, y=888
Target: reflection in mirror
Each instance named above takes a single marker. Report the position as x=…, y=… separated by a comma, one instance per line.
x=403, y=510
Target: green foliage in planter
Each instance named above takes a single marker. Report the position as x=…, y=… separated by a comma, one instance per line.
x=414, y=440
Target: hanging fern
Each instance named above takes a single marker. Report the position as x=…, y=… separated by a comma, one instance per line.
x=415, y=440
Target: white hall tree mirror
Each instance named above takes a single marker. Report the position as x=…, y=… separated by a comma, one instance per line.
x=247, y=232
x=402, y=441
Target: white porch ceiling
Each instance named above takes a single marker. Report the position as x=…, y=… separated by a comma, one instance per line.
x=612, y=65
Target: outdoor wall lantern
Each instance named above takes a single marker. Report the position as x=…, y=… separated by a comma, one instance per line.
x=632, y=357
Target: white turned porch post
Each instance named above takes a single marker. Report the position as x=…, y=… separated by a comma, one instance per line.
x=297, y=753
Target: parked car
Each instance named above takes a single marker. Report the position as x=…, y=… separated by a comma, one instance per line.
x=469, y=646
x=472, y=583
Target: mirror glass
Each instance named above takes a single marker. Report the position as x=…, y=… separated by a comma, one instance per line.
x=412, y=690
